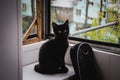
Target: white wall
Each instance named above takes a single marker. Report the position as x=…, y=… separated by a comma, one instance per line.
x=10, y=40
x=107, y=64
x=31, y=53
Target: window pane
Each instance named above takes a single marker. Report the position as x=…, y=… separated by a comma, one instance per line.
x=28, y=14
x=84, y=14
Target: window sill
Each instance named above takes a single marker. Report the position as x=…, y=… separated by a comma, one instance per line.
x=31, y=52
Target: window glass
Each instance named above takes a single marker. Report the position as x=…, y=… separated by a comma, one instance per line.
x=85, y=14
x=28, y=14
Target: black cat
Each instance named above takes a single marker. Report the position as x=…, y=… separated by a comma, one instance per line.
x=52, y=53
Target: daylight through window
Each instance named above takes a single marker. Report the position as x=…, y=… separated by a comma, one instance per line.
x=84, y=14
x=31, y=21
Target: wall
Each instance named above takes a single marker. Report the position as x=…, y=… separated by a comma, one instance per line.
x=107, y=64
x=30, y=53
x=10, y=40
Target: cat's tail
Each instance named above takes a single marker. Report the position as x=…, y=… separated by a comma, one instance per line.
x=36, y=68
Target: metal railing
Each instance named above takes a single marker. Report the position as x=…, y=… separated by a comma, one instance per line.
x=95, y=28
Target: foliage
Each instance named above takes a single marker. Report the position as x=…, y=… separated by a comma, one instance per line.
x=26, y=22
x=103, y=34
x=109, y=34
x=114, y=1
x=113, y=16
x=24, y=25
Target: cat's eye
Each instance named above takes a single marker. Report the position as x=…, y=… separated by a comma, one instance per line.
x=59, y=32
x=65, y=31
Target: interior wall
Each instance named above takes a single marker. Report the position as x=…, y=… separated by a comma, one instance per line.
x=107, y=64
x=10, y=40
x=31, y=53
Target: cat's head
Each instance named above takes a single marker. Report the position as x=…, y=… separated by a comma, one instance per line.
x=62, y=30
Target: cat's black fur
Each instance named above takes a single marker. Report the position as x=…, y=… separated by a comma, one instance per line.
x=52, y=53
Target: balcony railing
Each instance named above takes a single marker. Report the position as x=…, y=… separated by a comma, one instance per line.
x=95, y=28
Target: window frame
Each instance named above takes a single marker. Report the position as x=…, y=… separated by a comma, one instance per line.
x=27, y=38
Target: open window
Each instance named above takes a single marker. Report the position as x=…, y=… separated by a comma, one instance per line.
x=31, y=21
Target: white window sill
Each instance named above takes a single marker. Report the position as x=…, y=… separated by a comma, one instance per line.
x=30, y=74
x=31, y=53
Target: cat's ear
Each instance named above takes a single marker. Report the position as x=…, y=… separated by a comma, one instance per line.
x=66, y=22
x=54, y=24
x=54, y=27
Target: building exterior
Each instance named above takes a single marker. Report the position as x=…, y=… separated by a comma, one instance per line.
x=63, y=9
x=27, y=7
x=79, y=12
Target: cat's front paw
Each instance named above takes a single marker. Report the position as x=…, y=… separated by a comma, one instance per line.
x=63, y=69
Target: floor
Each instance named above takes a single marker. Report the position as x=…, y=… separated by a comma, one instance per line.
x=30, y=74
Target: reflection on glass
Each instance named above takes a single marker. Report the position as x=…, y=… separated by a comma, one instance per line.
x=83, y=14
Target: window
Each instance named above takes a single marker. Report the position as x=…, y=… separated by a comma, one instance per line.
x=31, y=21
x=100, y=13
x=24, y=6
x=78, y=12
